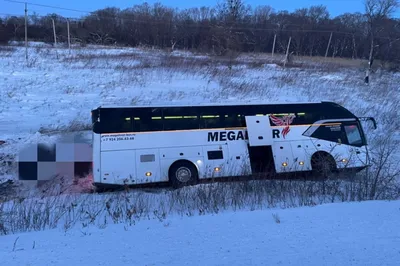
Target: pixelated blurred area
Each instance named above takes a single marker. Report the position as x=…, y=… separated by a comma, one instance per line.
x=70, y=157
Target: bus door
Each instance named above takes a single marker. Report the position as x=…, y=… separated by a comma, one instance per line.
x=259, y=131
x=259, y=134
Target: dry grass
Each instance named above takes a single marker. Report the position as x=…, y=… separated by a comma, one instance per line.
x=255, y=59
x=74, y=126
x=6, y=51
x=338, y=61
x=104, y=56
x=48, y=209
x=327, y=64
x=130, y=207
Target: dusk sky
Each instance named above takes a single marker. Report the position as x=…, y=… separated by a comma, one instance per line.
x=335, y=7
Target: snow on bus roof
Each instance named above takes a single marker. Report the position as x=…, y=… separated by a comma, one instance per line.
x=206, y=104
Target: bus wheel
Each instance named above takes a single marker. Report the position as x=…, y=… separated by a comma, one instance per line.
x=182, y=173
x=322, y=165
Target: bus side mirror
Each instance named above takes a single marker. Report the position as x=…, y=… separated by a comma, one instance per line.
x=369, y=119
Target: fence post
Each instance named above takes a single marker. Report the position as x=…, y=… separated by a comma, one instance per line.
x=26, y=31
x=273, y=46
x=69, y=38
x=287, y=52
x=329, y=43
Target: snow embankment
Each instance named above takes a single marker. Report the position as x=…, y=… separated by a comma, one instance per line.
x=362, y=234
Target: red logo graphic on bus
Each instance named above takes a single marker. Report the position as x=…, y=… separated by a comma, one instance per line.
x=283, y=121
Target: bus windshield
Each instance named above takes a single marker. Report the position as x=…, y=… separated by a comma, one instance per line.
x=353, y=135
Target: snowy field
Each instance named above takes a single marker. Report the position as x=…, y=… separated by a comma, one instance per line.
x=56, y=89
x=244, y=223
x=353, y=234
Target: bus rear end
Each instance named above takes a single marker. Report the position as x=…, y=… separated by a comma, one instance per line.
x=96, y=145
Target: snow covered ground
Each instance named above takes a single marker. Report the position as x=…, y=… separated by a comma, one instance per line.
x=56, y=89
x=218, y=224
x=350, y=234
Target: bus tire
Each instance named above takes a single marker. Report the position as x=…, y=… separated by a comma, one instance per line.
x=322, y=164
x=182, y=173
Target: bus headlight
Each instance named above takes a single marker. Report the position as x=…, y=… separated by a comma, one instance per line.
x=148, y=173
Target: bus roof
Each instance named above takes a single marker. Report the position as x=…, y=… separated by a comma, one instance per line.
x=212, y=104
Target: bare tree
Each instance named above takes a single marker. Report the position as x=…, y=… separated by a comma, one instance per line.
x=227, y=38
x=230, y=28
x=353, y=23
x=376, y=12
x=17, y=23
x=5, y=33
x=102, y=25
x=261, y=19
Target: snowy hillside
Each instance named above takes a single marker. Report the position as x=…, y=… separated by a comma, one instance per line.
x=353, y=234
x=56, y=89
x=240, y=223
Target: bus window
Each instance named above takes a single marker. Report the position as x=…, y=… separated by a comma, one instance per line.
x=300, y=119
x=353, y=135
x=180, y=122
x=233, y=120
x=180, y=119
x=126, y=124
x=330, y=132
x=210, y=121
x=147, y=119
x=115, y=121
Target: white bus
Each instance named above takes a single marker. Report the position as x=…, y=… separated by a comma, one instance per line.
x=184, y=144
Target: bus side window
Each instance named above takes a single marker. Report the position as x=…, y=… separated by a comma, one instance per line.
x=135, y=124
x=210, y=121
x=126, y=124
x=145, y=123
x=310, y=118
x=148, y=120
x=328, y=132
x=185, y=122
x=114, y=121
x=242, y=120
x=233, y=120
x=180, y=119
x=300, y=119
